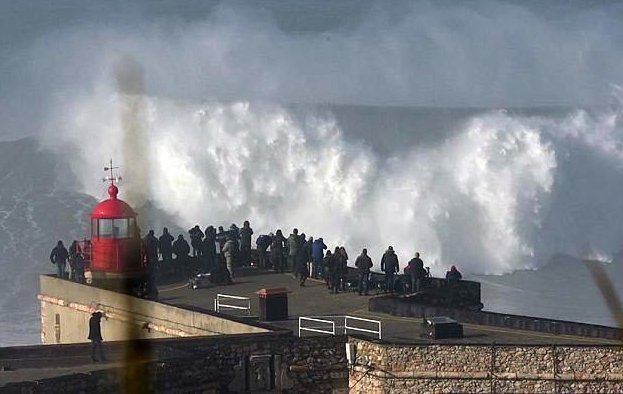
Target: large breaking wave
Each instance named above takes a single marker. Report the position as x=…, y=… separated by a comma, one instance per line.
x=492, y=196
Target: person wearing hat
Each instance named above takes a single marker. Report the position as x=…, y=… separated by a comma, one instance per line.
x=389, y=265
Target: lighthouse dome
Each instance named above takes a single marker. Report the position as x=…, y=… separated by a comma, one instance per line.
x=112, y=207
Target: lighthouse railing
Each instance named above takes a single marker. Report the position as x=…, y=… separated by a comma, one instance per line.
x=231, y=302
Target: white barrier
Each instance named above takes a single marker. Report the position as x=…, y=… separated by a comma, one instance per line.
x=219, y=304
x=349, y=322
x=315, y=328
x=347, y=327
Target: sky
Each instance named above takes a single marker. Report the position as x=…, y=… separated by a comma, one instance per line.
x=443, y=54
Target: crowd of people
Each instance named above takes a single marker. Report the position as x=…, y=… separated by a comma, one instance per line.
x=219, y=251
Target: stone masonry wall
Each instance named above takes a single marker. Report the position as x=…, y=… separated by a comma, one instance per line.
x=236, y=363
x=383, y=368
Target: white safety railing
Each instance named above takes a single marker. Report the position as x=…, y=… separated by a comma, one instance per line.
x=331, y=325
x=317, y=328
x=237, y=303
x=353, y=319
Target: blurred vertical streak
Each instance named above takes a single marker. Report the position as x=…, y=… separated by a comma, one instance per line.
x=133, y=118
x=600, y=277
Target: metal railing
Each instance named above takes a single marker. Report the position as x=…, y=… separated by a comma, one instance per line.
x=366, y=330
x=349, y=324
x=316, y=328
x=219, y=303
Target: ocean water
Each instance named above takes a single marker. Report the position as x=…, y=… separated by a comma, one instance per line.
x=370, y=124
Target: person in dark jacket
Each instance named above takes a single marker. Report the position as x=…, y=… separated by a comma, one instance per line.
x=79, y=266
x=417, y=273
x=95, y=336
x=390, y=265
x=196, y=235
x=263, y=242
x=302, y=257
x=151, y=247
x=318, y=248
x=331, y=271
x=343, y=268
x=336, y=274
x=181, y=249
x=245, y=242
x=363, y=264
x=453, y=275
x=74, y=249
x=293, y=244
x=165, y=243
x=59, y=256
x=276, y=251
x=209, y=248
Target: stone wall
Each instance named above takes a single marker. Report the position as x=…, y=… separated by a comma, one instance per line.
x=236, y=363
x=480, y=368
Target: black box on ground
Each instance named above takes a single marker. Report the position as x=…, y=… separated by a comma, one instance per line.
x=441, y=327
x=273, y=304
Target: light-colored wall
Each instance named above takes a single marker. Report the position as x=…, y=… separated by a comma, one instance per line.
x=381, y=368
x=126, y=317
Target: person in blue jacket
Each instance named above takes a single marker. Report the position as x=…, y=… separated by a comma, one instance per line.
x=318, y=248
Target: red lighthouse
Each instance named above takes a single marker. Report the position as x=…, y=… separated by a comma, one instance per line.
x=115, y=247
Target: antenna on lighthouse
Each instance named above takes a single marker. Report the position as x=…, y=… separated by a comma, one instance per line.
x=111, y=177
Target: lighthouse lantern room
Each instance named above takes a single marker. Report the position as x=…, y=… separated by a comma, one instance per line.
x=115, y=245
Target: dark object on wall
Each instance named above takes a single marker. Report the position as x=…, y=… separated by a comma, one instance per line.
x=260, y=373
x=441, y=327
x=273, y=304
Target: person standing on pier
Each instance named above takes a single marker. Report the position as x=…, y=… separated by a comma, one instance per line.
x=95, y=336
x=59, y=257
x=209, y=249
x=229, y=253
x=363, y=264
x=276, y=251
x=389, y=265
x=165, y=246
x=416, y=272
x=318, y=248
x=245, y=242
x=263, y=242
x=293, y=244
x=181, y=249
x=196, y=235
